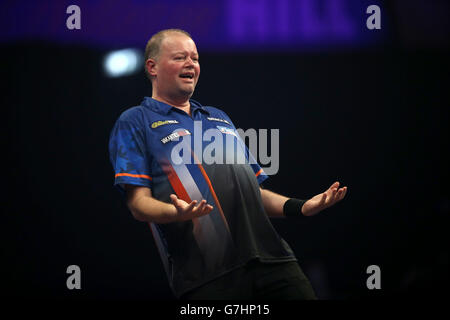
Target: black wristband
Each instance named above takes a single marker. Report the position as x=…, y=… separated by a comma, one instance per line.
x=293, y=207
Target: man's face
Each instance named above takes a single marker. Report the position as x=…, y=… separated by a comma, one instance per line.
x=177, y=67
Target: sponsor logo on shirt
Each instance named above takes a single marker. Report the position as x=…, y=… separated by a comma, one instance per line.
x=174, y=135
x=156, y=124
x=226, y=130
x=217, y=119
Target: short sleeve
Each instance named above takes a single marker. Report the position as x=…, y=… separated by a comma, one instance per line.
x=128, y=156
x=259, y=172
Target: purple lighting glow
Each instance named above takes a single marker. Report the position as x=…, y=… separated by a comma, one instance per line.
x=290, y=21
x=215, y=25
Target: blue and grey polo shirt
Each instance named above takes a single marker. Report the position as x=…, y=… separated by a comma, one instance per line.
x=196, y=157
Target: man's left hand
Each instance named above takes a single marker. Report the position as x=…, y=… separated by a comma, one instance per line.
x=324, y=200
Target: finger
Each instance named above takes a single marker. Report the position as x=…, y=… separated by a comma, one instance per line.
x=332, y=190
x=324, y=198
x=335, y=185
x=339, y=194
x=205, y=209
x=333, y=197
x=200, y=206
x=344, y=192
x=334, y=193
x=174, y=199
x=191, y=205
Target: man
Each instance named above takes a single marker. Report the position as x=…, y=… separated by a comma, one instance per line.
x=210, y=221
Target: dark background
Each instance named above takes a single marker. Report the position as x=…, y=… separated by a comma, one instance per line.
x=375, y=119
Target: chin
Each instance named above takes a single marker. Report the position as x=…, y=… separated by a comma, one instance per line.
x=188, y=92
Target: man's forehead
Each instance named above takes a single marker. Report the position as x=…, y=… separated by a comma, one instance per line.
x=177, y=41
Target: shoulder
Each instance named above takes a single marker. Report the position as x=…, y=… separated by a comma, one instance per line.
x=219, y=114
x=132, y=114
x=214, y=110
x=136, y=116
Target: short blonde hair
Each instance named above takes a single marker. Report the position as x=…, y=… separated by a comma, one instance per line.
x=153, y=46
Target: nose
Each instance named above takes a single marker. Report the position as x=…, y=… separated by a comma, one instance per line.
x=189, y=62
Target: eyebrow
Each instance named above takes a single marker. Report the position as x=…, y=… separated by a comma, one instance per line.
x=184, y=52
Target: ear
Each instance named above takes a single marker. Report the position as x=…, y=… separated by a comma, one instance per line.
x=150, y=64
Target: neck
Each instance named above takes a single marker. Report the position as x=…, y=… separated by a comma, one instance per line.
x=181, y=103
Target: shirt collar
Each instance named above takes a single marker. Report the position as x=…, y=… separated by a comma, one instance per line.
x=164, y=108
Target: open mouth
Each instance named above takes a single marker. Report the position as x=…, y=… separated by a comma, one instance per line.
x=187, y=75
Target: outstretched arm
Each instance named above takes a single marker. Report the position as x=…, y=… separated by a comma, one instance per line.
x=273, y=202
x=148, y=209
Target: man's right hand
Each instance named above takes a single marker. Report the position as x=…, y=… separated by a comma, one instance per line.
x=187, y=211
x=146, y=208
